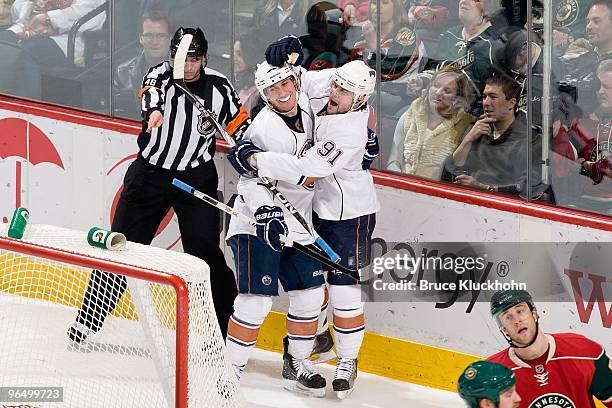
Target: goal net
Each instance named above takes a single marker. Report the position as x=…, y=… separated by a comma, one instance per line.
x=159, y=346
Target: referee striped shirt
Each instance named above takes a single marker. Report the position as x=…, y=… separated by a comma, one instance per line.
x=184, y=141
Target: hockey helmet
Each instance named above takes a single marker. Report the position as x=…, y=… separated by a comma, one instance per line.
x=356, y=77
x=198, y=46
x=267, y=75
x=484, y=379
x=505, y=299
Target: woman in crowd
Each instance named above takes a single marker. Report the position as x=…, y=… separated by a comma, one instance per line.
x=433, y=126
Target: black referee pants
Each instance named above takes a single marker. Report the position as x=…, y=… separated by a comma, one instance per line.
x=147, y=196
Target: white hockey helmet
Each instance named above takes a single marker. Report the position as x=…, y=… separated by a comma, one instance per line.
x=356, y=77
x=267, y=75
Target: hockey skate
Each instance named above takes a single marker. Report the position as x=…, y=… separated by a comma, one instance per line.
x=301, y=377
x=323, y=349
x=344, y=379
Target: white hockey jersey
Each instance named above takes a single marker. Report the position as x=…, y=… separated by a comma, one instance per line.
x=346, y=191
x=269, y=132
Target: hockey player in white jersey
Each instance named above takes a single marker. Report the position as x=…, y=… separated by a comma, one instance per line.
x=345, y=202
x=284, y=126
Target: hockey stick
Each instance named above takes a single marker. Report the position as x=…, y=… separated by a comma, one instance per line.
x=179, y=81
x=313, y=253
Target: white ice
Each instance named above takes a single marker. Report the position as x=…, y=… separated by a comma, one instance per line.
x=33, y=352
x=262, y=386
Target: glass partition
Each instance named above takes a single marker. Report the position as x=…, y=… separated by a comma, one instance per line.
x=461, y=97
x=580, y=93
x=57, y=52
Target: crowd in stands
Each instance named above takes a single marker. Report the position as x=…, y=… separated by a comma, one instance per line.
x=453, y=99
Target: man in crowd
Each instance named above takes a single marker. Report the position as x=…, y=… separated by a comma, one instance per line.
x=492, y=155
x=154, y=39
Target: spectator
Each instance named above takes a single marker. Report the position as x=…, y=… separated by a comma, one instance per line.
x=402, y=54
x=272, y=19
x=433, y=126
x=42, y=31
x=469, y=46
x=586, y=142
x=583, y=58
x=511, y=58
x=493, y=154
x=400, y=48
x=155, y=40
x=429, y=18
x=244, y=80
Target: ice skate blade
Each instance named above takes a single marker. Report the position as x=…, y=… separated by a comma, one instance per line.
x=323, y=357
x=298, y=388
x=343, y=394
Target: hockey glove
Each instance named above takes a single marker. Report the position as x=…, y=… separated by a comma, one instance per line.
x=238, y=157
x=372, y=150
x=279, y=51
x=270, y=224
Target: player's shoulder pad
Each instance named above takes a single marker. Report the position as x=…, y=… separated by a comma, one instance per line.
x=576, y=345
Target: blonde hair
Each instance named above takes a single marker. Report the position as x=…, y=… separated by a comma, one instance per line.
x=466, y=93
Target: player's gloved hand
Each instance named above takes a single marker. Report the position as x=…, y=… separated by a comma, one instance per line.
x=372, y=150
x=270, y=224
x=278, y=52
x=239, y=157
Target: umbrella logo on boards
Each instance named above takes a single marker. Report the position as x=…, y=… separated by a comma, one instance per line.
x=24, y=140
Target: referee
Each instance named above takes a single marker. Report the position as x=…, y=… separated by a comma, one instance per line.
x=175, y=141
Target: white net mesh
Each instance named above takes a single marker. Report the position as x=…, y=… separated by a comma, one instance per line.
x=125, y=359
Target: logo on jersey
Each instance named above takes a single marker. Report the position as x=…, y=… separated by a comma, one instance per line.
x=567, y=13
x=405, y=37
x=461, y=62
x=541, y=375
x=266, y=280
x=603, y=149
x=205, y=126
x=552, y=400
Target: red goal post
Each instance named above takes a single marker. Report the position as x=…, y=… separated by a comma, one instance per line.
x=167, y=316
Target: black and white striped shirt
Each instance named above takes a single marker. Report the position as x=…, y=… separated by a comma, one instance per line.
x=181, y=142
